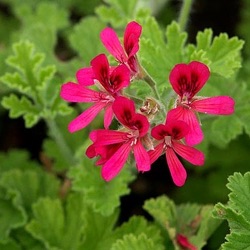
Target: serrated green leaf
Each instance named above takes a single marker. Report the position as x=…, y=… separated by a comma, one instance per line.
x=48, y=214
x=70, y=222
x=86, y=41
x=224, y=54
x=103, y=196
x=204, y=39
x=21, y=107
x=139, y=225
x=176, y=40
x=118, y=13
x=98, y=230
x=49, y=14
x=16, y=159
x=236, y=212
x=29, y=185
x=141, y=242
x=163, y=210
x=10, y=217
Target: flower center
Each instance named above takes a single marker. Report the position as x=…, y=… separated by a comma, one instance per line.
x=133, y=136
x=168, y=141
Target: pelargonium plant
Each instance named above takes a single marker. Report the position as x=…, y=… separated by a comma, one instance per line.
x=136, y=125
x=181, y=129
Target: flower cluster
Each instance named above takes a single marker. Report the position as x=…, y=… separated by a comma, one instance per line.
x=104, y=87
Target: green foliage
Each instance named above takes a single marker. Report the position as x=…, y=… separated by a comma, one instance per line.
x=104, y=197
x=236, y=212
x=118, y=13
x=192, y=220
x=32, y=80
x=22, y=182
x=91, y=47
x=135, y=243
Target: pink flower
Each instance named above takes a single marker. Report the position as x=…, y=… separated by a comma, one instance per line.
x=187, y=80
x=183, y=241
x=110, y=82
x=115, y=146
x=125, y=54
x=169, y=141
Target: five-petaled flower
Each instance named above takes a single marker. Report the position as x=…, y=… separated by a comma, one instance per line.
x=168, y=137
x=125, y=54
x=115, y=146
x=187, y=80
x=110, y=81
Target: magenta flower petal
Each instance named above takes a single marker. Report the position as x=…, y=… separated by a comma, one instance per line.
x=195, y=135
x=141, y=157
x=108, y=116
x=73, y=92
x=114, y=165
x=159, y=132
x=190, y=154
x=155, y=153
x=176, y=168
x=85, y=118
x=103, y=137
x=124, y=110
x=177, y=129
x=188, y=79
x=111, y=42
x=119, y=78
x=131, y=38
x=140, y=123
x=218, y=105
x=100, y=67
x=85, y=76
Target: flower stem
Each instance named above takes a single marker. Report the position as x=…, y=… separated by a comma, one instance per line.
x=184, y=13
x=60, y=141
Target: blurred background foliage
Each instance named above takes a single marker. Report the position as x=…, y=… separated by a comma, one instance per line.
x=52, y=34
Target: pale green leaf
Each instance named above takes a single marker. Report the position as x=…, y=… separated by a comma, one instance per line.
x=85, y=40
x=103, y=196
x=48, y=214
x=139, y=225
x=98, y=230
x=163, y=210
x=118, y=13
x=131, y=242
x=21, y=107
x=236, y=212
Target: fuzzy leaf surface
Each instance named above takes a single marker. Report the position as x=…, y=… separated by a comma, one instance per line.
x=236, y=212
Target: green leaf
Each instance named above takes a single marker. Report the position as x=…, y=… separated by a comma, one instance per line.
x=141, y=242
x=236, y=212
x=139, y=225
x=28, y=186
x=75, y=226
x=24, y=240
x=90, y=46
x=40, y=97
x=192, y=220
x=118, y=13
x=48, y=214
x=16, y=159
x=98, y=230
x=10, y=217
x=103, y=196
x=21, y=107
x=158, y=57
x=222, y=53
